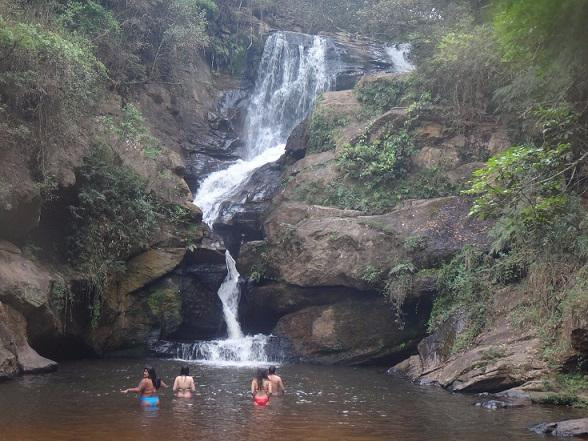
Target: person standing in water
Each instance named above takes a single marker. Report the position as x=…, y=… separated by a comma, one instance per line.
x=261, y=388
x=147, y=388
x=184, y=384
x=276, y=382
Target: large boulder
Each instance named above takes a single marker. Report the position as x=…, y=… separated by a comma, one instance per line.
x=567, y=428
x=149, y=266
x=16, y=356
x=320, y=246
x=501, y=358
x=26, y=286
x=352, y=332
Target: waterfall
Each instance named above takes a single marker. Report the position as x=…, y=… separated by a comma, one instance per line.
x=230, y=294
x=293, y=72
x=398, y=54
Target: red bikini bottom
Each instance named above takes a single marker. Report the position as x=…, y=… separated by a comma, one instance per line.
x=261, y=401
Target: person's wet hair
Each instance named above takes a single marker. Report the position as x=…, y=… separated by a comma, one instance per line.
x=185, y=371
x=153, y=376
x=272, y=370
x=259, y=377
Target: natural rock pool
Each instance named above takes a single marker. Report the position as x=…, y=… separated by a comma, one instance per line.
x=82, y=402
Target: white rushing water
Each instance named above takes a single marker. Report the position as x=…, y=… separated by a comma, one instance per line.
x=292, y=74
x=399, y=56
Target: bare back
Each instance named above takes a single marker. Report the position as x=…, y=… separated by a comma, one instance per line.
x=184, y=386
x=277, y=384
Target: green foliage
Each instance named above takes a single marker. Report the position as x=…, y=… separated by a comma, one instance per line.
x=533, y=189
x=382, y=160
x=463, y=289
x=322, y=129
x=47, y=78
x=464, y=71
x=415, y=243
x=399, y=283
x=112, y=217
x=380, y=95
x=375, y=197
x=545, y=33
x=371, y=275
x=259, y=270
x=133, y=132
x=89, y=18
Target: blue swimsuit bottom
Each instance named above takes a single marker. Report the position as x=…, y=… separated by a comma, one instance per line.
x=151, y=401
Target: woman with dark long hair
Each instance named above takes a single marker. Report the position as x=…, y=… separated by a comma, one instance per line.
x=147, y=388
x=261, y=388
x=184, y=384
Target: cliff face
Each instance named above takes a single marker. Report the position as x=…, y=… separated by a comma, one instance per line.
x=67, y=201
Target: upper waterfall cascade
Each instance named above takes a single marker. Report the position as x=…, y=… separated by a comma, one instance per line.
x=292, y=73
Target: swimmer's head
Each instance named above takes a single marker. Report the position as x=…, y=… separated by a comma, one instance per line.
x=185, y=370
x=152, y=375
x=272, y=370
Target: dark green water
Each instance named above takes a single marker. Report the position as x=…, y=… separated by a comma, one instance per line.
x=82, y=402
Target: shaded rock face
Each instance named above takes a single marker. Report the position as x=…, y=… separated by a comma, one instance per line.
x=352, y=332
x=201, y=275
x=241, y=217
x=26, y=287
x=320, y=246
x=355, y=56
x=16, y=356
x=263, y=305
x=567, y=428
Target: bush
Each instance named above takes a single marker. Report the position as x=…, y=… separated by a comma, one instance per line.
x=380, y=95
x=132, y=132
x=322, y=130
x=49, y=80
x=464, y=71
x=463, y=289
x=379, y=161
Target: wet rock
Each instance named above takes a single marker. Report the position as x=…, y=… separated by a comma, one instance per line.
x=297, y=141
x=411, y=367
x=568, y=428
x=241, y=216
x=501, y=404
x=16, y=356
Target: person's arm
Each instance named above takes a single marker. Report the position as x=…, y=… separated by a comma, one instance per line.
x=176, y=385
x=137, y=389
x=269, y=388
x=162, y=384
x=253, y=387
x=281, y=387
x=192, y=385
